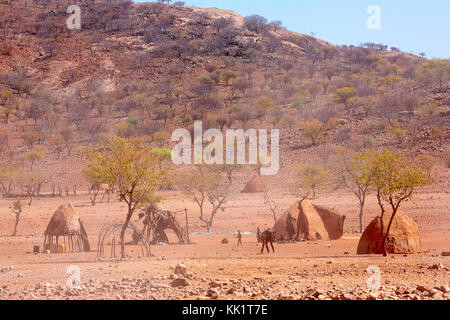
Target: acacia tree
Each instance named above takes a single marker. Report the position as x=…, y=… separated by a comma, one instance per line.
x=313, y=130
x=31, y=182
x=345, y=95
x=8, y=180
x=394, y=128
x=270, y=202
x=353, y=171
x=33, y=156
x=131, y=168
x=16, y=208
x=255, y=23
x=434, y=70
x=164, y=156
x=306, y=180
x=396, y=177
x=208, y=184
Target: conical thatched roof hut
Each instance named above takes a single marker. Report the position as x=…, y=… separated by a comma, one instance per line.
x=254, y=185
x=66, y=222
x=404, y=236
x=309, y=222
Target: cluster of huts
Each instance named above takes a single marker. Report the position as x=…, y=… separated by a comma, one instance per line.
x=303, y=220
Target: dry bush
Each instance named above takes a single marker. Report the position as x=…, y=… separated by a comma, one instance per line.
x=447, y=157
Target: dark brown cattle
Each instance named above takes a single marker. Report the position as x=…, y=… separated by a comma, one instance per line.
x=266, y=237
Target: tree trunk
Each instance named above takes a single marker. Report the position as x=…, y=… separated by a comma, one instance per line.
x=388, y=230
x=187, y=227
x=15, y=228
x=383, y=238
x=383, y=241
x=148, y=250
x=122, y=233
x=361, y=213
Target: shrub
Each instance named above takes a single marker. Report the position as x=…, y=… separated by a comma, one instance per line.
x=438, y=133
x=367, y=143
x=160, y=138
x=300, y=99
x=430, y=109
x=313, y=130
x=255, y=23
x=394, y=128
x=447, y=157
x=31, y=138
x=345, y=95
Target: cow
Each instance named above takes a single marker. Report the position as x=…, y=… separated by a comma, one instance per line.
x=266, y=237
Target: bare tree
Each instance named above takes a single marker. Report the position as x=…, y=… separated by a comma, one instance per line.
x=270, y=202
x=222, y=23
x=208, y=184
x=31, y=183
x=256, y=23
x=352, y=172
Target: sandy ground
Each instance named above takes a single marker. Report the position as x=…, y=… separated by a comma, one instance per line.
x=304, y=270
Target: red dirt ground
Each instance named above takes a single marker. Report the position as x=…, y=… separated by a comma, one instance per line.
x=304, y=270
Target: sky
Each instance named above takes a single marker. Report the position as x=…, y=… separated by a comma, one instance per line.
x=410, y=25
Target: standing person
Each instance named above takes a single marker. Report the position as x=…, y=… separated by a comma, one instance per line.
x=258, y=235
x=239, y=237
x=290, y=227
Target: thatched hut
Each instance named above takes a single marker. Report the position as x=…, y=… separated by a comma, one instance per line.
x=404, y=236
x=254, y=185
x=310, y=222
x=66, y=223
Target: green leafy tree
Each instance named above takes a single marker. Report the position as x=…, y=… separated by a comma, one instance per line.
x=128, y=166
x=164, y=156
x=8, y=180
x=313, y=130
x=265, y=102
x=434, y=70
x=162, y=153
x=389, y=81
x=395, y=178
x=345, y=95
x=306, y=180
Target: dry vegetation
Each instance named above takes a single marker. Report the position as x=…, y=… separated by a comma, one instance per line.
x=139, y=71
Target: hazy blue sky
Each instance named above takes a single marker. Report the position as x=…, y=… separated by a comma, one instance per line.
x=411, y=25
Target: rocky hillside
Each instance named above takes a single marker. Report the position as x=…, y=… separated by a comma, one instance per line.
x=145, y=69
